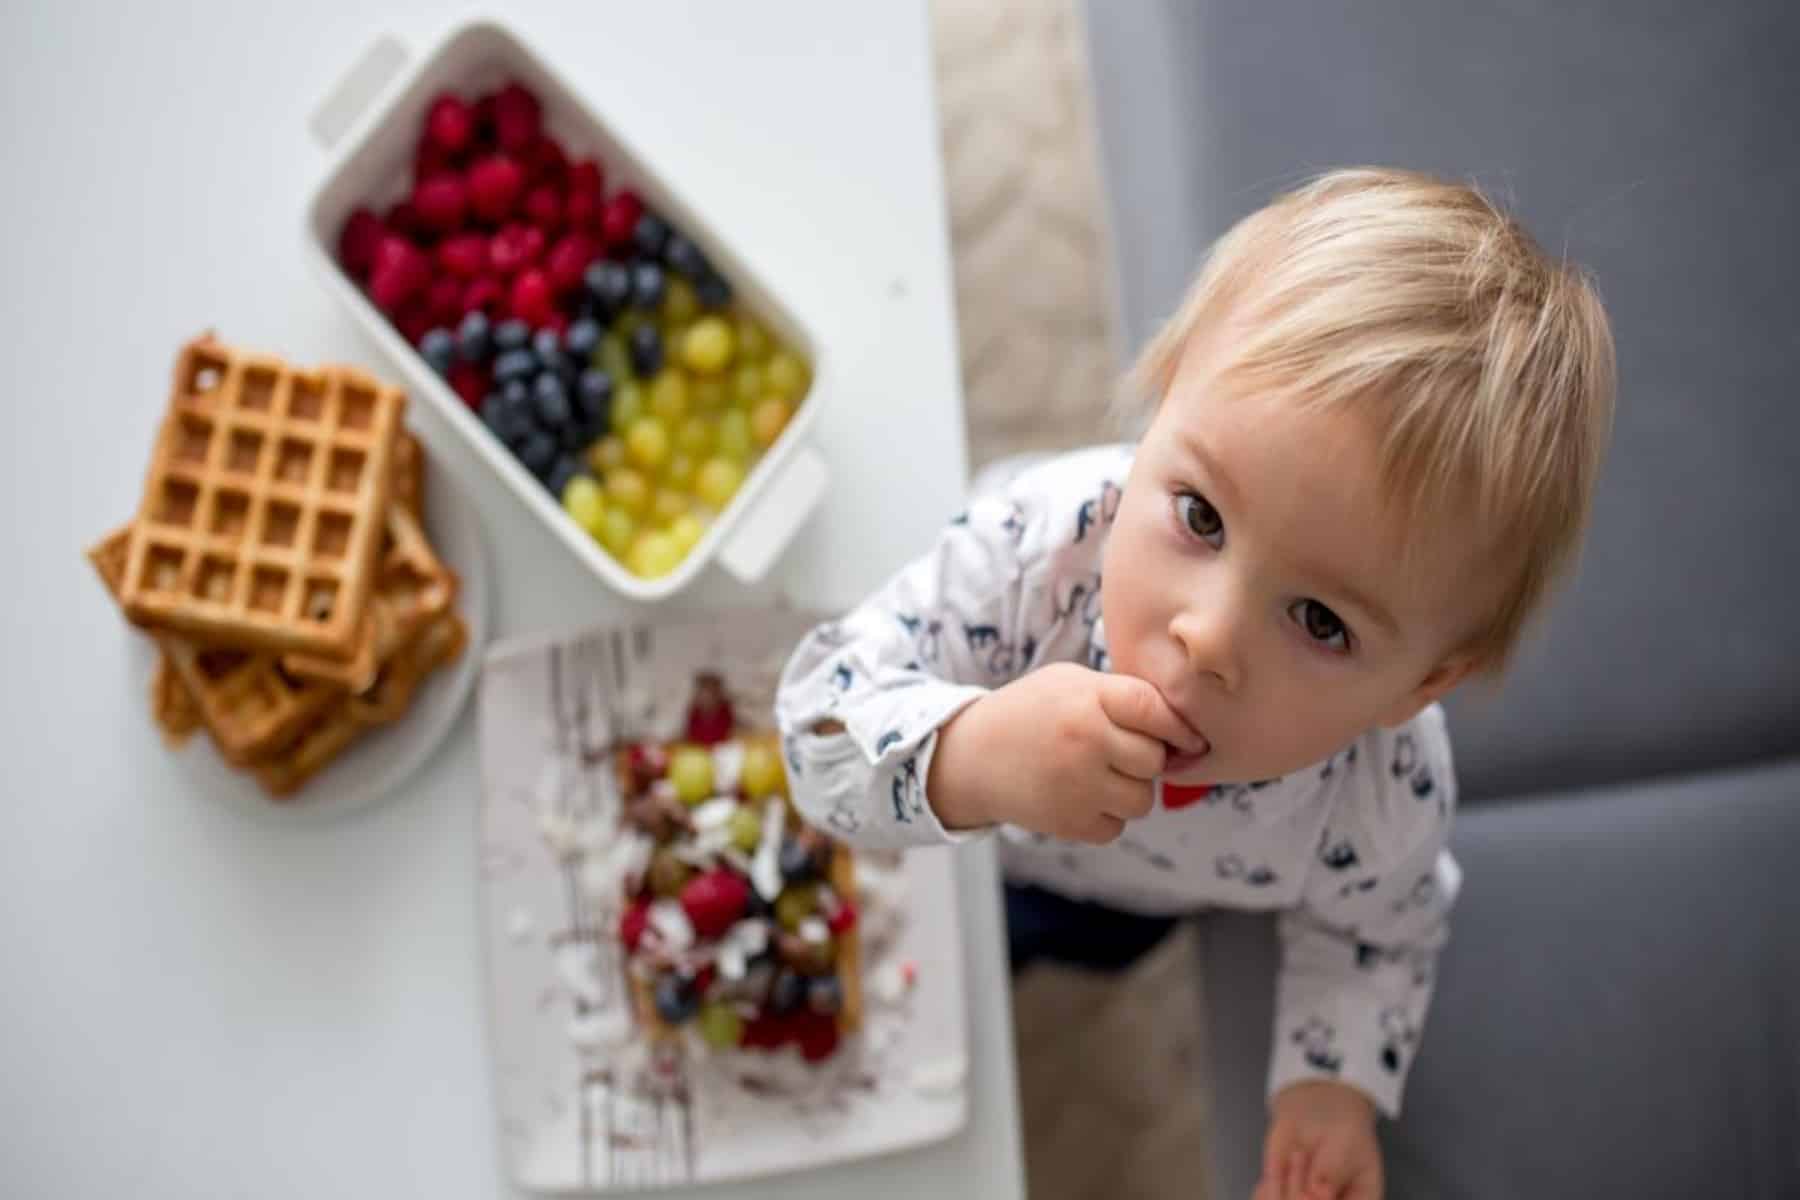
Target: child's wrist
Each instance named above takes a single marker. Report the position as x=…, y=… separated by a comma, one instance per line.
x=949, y=790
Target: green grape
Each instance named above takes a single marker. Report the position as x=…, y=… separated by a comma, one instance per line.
x=717, y=482
x=720, y=1025
x=607, y=454
x=694, y=436
x=667, y=505
x=752, y=339
x=747, y=385
x=584, y=501
x=653, y=555
x=628, y=406
x=796, y=903
x=710, y=393
x=679, y=473
x=708, y=345
x=629, y=491
x=746, y=828
x=761, y=775
x=648, y=443
x=734, y=439
x=679, y=305
x=691, y=771
x=787, y=376
x=669, y=395
x=617, y=529
x=687, y=530
x=768, y=419
x=615, y=358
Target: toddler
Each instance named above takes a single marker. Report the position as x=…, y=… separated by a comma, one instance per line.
x=1202, y=669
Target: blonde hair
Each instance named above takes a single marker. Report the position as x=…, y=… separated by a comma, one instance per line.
x=1487, y=365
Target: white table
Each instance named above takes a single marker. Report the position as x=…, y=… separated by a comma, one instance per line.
x=196, y=1003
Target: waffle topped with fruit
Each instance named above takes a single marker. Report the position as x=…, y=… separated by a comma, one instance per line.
x=741, y=921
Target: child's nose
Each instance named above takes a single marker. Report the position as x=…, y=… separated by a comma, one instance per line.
x=1207, y=637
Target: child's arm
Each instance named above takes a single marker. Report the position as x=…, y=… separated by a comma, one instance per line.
x=913, y=718
x=1359, y=953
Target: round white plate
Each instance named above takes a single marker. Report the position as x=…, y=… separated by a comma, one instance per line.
x=379, y=762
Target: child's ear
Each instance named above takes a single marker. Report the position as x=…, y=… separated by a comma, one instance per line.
x=1443, y=677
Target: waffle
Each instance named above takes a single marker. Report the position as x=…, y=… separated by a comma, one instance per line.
x=439, y=642
x=247, y=703
x=177, y=713
x=262, y=512
x=412, y=586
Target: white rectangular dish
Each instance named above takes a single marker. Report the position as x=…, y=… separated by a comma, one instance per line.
x=370, y=122
x=585, y=1102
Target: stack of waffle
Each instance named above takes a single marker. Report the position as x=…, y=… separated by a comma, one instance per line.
x=279, y=561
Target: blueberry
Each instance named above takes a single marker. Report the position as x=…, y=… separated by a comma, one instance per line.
x=545, y=344
x=515, y=364
x=578, y=435
x=566, y=468
x=550, y=402
x=438, y=347
x=682, y=255
x=649, y=234
x=517, y=392
x=646, y=350
x=647, y=284
x=797, y=862
x=511, y=335
x=473, y=337
x=676, y=1002
x=609, y=283
x=581, y=340
x=593, y=396
x=508, y=421
x=537, y=450
x=825, y=995
x=788, y=992
x=712, y=290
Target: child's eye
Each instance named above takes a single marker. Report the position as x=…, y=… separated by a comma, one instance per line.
x=1201, y=518
x=1321, y=625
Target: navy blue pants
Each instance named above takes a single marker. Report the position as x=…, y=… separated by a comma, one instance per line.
x=1042, y=926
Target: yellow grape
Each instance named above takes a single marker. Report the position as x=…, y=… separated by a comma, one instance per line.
x=666, y=504
x=679, y=473
x=717, y=482
x=752, y=339
x=734, y=435
x=629, y=491
x=707, y=345
x=617, y=529
x=628, y=406
x=669, y=395
x=680, y=305
x=606, y=454
x=787, y=376
x=694, y=436
x=768, y=420
x=648, y=442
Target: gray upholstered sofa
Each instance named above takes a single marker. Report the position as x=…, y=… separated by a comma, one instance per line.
x=1619, y=1011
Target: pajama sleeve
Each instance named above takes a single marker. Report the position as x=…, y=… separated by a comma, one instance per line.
x=1360, y=950
x=863, y=697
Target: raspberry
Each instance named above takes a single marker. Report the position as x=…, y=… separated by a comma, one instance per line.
x=465, y=255
x=581, y=210
x=568, y=259
x=633, y=922
x=545, y=161
x=531, y=298
x=586, y=177
x=544, y=207
x=514, y=248
x=557, y=323
x=400, y=273
x=619, y=218
x=450, y=124
x=494, y=186
x=444, y=300
x=469, y=381
x=441, y=202
x=359, y=240
x=843, y=920
x=817, y=1035
x=714, y=901
x=432, y=160
x=404, y=220
x=517, y=116
x=486, y=294
x=413, y=321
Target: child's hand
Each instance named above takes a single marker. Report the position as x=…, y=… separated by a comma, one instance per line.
x=1321, y=1145
x=1062, y=751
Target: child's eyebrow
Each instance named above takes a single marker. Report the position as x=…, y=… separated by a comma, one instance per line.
x=1215, y=474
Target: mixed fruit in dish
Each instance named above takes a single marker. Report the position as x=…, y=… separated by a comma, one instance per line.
x=741, y=923
x=594, y=338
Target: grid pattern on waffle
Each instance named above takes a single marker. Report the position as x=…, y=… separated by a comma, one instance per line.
x=248, y=704
x=264, y=505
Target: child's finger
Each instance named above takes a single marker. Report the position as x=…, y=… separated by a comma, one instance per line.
x=1329, y=1170
x=1294, y=1173
x=1135, y=704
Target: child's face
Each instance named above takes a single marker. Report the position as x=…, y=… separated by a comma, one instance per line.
x=1256, y=576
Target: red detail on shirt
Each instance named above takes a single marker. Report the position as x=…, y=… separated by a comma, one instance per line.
x=1175, y=795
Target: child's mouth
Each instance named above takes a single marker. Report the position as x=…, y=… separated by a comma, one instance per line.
x=1176, y=764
